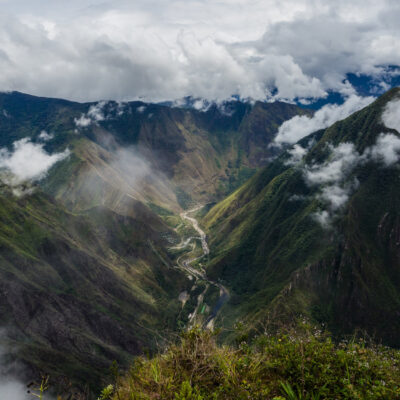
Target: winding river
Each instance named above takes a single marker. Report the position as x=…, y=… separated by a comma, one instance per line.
x=199, y=273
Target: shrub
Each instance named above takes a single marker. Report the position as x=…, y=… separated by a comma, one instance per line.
x=285, y=366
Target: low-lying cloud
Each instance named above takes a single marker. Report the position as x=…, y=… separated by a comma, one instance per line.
x=45, y=136
x=27, y=161
x=334, y=177
x=12, y=373
x=115, y=173
x=100, y=111
x=296, y=128
x=386, y=149
x=342, y=160
x=296, y=153
x=391, y=115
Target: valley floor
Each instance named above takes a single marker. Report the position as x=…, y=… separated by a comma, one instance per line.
x=185, y=263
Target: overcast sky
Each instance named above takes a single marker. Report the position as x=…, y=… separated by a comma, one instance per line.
x=167, y=49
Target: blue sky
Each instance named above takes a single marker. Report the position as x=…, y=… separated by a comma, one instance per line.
x=166, y=49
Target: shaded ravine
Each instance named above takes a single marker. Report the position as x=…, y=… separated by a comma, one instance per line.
x=200, y=273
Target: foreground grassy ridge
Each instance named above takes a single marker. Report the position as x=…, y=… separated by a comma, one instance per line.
x=284, y=366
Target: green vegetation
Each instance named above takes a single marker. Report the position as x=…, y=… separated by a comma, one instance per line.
x=278, y=260
x=302, y=365
x=161, y=211
x=88, y=274
x=96, y=283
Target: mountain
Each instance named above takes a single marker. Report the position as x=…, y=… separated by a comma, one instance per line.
x=315, y=232
x=204, y=154
x=91, y=252
x=79, y=291
x=87, y=274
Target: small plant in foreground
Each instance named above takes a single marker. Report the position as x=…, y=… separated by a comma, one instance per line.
x=37, y=390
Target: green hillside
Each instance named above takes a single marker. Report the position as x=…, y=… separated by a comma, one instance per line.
x=279, y=261
x=79, y=291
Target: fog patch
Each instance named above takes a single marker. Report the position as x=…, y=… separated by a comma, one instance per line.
x=131, y=164
x=13, y=390
x=12, y=373
x=123, y=169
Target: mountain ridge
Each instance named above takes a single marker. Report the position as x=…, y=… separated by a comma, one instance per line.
x=271, y=232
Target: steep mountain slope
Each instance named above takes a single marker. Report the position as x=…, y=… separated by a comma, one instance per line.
x=318, y=234
x=79, y=291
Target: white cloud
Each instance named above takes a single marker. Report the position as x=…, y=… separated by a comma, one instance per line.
x=332, y=178
x=323, y=217
x=101, y=111
x=141, y=109
x=336, y=195
x=391, y=115
x=44, y=136
x=386, y=149
x=83, y=121
x=201, y=105
x=95, y=114
x=298, y=127
x=296, y=154
x=27, y=162
x=159, y=50
x=11, y=386
x=342, y=160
